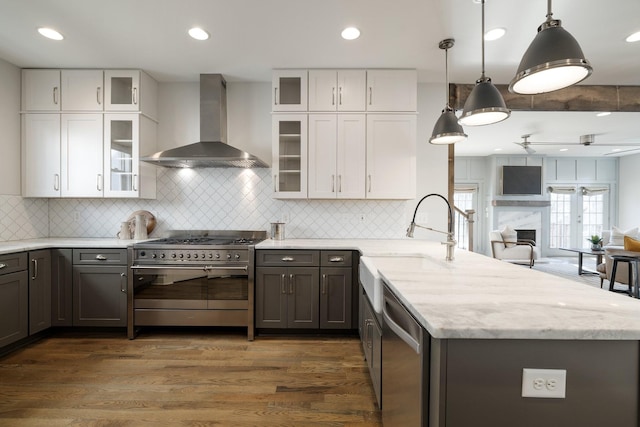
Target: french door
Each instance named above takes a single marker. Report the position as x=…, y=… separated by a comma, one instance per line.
x=465, y=197
x=576, y=213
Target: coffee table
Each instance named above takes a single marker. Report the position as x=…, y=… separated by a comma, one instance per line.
x=584, y=251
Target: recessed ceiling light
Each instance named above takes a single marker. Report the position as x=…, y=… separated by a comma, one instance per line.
x=497, y=149
x=633, y=37
x=615, y=150
x=350, y=33
x=50, y=33
x=494, y=34
x=603, y=114
x=198, y=33
x=564, y=149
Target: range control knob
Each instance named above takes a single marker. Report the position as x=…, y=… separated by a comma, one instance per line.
x=181, y=255
x=237, y=256
x=195, y=256
x=154, y=256
x=203, y=255
x=228, y=256
x=210, y=255
x=217, y=256
x=173, y=255
x=188, y=255
x=162, y=255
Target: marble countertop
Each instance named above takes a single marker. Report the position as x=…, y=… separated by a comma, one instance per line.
x=478, y=297
x=63, y=242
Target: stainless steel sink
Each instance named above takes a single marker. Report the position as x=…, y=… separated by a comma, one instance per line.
x=371, y=282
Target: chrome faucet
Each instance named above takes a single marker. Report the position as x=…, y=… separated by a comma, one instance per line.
x=451, y=242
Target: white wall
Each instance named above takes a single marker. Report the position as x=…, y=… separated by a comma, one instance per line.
x=629, y=196
x=10, y=126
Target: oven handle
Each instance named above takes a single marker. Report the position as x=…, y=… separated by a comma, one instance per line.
x=188, y=268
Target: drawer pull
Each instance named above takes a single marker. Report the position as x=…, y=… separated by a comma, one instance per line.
x=288, y=258
x=336, y=259
x=101, y=257
x=3, y=266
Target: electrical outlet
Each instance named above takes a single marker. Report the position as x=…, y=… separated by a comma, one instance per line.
x=285, y=217
x=545, y=383
x=76, y=216
x=422, y=218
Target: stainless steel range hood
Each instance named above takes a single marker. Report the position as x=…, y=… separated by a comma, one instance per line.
x=212, y=151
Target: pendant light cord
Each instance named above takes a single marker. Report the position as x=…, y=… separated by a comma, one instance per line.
x=549, y=13
x=483, y=39
x=446, y=78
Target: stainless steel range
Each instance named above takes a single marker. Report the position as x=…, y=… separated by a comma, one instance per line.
x=193, y=278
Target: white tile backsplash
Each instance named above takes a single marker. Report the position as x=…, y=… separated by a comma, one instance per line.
x=23, y=218
x=228, y=199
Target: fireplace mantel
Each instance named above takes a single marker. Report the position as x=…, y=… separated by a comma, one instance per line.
x=522, y=203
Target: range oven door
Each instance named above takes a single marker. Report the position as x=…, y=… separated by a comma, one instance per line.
x=190, y=287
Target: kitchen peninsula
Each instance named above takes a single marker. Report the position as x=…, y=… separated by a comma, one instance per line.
x=488, y=320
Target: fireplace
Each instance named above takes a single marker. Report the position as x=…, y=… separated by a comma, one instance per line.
x=524, y=234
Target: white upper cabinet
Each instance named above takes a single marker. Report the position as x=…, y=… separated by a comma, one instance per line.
x=337, y=147
x=337, y=90
x=392, y=90
x=391, y=156
x=41, y=155
x=289, y=149
x=125, y=137
x=81, y=155
x=289, y=90
x=130, y=90
x=82, y=90
x=41, y=90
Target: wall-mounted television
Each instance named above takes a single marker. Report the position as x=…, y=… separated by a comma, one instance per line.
x=522, y=180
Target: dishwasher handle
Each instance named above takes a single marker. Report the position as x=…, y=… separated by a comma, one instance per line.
x=405, y=336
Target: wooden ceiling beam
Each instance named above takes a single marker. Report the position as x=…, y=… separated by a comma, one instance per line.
x=573, y=98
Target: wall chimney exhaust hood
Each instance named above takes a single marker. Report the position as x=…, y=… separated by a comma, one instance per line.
x=212, y=151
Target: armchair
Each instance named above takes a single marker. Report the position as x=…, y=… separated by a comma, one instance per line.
x=613, y=247
x=514, y=251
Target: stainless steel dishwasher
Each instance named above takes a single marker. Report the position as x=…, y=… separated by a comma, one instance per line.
x=404, y=370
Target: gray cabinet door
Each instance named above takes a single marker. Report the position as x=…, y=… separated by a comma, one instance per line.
x=99, y=295
x=303, y=302
x=14, y=307
x=335, y=297
x=61, y=288
x=271, y=297
x=39, y=291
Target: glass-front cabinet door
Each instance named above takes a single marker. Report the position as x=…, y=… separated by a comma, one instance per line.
x=289, y=90
x=122, y=90
x=121, y=145
x=290, y=156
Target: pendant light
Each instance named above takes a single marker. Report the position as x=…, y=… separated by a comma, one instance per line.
x=484, y=105
x=554, y=60
x=447, y=129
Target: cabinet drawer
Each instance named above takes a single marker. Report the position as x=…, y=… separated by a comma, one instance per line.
x=288, y=258
x=335, y=258
x=100, y=256
x=10, y=263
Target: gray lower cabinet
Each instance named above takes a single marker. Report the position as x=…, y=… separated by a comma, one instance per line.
x=287, y=297
x=99, y=287
x=371, y=338
x=304, y=289
x=14, y=298
x=335, y=297
x=39, y=291
x=61, y=288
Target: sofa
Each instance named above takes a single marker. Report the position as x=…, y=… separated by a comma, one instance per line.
x=612, y=244
x=506, y=247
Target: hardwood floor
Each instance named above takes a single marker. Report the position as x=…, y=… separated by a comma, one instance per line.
x=186, y=378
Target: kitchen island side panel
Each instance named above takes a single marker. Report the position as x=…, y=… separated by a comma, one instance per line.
x=484, y=383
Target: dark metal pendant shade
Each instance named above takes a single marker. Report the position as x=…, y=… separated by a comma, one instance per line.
x=484, y=105
x=447, y=130
x=553, y=61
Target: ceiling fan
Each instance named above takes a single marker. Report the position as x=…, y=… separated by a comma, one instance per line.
x=586, y=140
x=526, y=144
